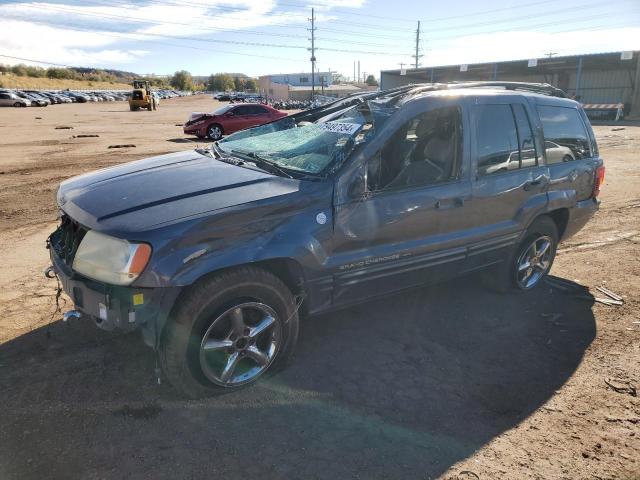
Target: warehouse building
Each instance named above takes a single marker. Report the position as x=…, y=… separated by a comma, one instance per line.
x=298, y=86
x=597, y=79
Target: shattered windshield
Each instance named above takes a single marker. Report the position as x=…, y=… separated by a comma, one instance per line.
x=310, y=148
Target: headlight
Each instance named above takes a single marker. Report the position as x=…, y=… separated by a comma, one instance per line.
x=110, y=260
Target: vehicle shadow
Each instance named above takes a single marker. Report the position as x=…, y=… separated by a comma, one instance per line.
x=402, y=387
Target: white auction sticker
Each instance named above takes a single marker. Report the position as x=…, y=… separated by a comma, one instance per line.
x=340, y=127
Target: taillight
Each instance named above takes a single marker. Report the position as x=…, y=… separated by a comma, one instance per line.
x=598, y=181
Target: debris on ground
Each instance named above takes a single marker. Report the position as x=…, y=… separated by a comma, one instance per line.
x=622, y=386
x=38, y=118
x=610, y=294
x=127, y=145
x=617, y=129
x=64, y=128
x=86, y=136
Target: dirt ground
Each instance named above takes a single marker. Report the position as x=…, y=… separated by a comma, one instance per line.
x=450, y=381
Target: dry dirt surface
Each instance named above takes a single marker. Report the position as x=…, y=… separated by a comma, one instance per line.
x=448, y=382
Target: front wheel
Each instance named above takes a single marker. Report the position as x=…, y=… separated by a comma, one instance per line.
x=214, y=132
x=228, y=331
x=527, y=265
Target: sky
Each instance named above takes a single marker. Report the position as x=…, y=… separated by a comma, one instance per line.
x=259, y=37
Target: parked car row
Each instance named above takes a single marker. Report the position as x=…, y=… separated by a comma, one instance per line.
x=43, y=98
x=164, y=94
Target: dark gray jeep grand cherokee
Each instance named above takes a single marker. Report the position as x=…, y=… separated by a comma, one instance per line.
x=213, y=254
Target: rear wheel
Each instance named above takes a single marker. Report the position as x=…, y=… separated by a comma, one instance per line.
x=228, y=331
x=214, y=132
x=19, y=104
x=531, y=261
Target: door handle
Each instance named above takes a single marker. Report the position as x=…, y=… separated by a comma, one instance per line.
x=538, y=181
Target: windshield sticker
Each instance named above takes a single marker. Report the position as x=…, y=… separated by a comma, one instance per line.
x=339, y=127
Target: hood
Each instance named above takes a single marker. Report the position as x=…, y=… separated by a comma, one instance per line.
x=197, y=116
x=139, y=195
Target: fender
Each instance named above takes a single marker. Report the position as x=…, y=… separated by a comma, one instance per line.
x=248, y=233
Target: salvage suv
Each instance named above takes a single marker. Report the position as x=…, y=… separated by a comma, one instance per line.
x=214, y=254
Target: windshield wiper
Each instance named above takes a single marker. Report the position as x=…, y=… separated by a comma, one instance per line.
x=263, y=163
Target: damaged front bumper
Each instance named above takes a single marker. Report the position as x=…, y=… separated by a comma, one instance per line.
x=115, y=307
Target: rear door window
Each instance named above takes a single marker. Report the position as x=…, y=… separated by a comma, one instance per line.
x=496, y=139
x=565, y=136
x=242, y=110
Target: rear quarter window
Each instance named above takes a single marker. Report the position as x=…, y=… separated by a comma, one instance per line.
x=565, y=136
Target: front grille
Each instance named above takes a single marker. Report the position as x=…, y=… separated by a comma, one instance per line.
x=66, y=239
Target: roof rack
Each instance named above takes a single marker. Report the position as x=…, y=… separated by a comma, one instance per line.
x=542, y=88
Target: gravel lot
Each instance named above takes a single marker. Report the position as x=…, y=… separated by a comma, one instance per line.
x=450, y=381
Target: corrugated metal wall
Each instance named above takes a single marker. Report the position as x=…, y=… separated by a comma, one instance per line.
x=597, y=85
x=602, y=86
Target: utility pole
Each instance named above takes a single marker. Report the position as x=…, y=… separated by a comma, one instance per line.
x=358, y=71
x=550, y=54
x=354, y=71
x=417, y=55
x=313, y=52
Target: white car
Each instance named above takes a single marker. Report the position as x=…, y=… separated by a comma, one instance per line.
x=9, y=99
x=558, y=153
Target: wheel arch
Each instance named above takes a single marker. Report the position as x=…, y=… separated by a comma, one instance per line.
x=560, y=217
x=288, y=270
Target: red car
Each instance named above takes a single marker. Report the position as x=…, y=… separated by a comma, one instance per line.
x=229, y=119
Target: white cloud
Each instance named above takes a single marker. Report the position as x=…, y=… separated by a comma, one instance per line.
x=40, y=32
x=55, y=45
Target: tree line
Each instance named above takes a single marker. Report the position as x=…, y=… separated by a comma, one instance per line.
x=219, y=82
x=180, y=80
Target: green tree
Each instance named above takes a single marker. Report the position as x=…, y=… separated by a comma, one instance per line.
x=220, y=82
x=182, y=80
x=371, y=80
x=251, y=85
x=238, y=84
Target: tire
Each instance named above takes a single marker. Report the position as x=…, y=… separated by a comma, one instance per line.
x=215, y=132
x=511, y=275
x=202, y=339
x=18, y=104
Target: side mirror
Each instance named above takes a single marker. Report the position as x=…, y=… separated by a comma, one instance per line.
x=228, y=114
x=356, y=187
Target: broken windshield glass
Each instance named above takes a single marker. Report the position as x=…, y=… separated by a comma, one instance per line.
x=311, y=148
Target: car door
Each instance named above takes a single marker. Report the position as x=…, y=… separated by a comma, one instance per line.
x=5, y=99
x=405, y=228
x=235, y=119
x=571, y=152
x=509, y=178
x=258, y=115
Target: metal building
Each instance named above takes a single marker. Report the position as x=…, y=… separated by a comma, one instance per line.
x=603, y=78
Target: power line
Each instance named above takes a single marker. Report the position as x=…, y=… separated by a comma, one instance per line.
x=125, y=37
x=35, y=61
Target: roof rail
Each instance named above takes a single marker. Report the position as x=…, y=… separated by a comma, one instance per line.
x=542, y=88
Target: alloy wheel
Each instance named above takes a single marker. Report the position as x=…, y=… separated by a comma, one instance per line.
x=534, y=262
x=215, y=133
x=240, y=344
